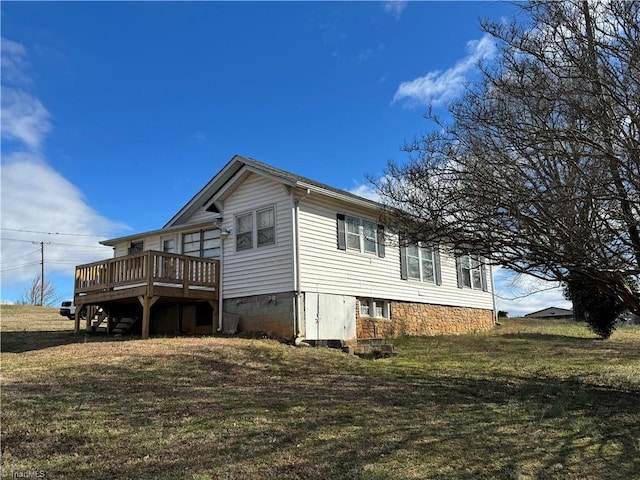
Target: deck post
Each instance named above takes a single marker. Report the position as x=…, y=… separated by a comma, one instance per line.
x=146, y=315
x=214, y=316
x=185, y=278
x=109, y=326
x=147, y=302
x=76, y=317
x=90, y=314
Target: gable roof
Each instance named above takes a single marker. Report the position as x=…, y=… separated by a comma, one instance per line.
x=228, y=175
x=551, y=312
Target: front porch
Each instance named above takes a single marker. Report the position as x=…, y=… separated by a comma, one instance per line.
x=146, y=278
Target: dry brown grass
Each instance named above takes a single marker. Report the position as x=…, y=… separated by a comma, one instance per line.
x=530, y=400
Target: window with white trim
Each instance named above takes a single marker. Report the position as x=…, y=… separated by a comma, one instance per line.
x=203, y=243
x=244, y=231
x=256, y=228
x=360, y=235
x=471, y=272
x=136, y=247
x=422, y=263
x=266, y=225
x=374, y=308
x=169, y=245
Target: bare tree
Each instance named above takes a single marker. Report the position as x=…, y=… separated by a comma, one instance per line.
x=539, y=170
x=39, y=292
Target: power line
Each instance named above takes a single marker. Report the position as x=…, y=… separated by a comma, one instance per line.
x=517, y=297
x=16, y=240
x=20, y=266
x=13, y=259
x=55, y=243
x=81, y=246
x=51, y=233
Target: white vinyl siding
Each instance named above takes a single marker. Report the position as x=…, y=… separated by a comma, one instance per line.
x=328, y=269
x=268, y=268
x=202, y=216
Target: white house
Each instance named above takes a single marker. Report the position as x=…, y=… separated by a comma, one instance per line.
x=301, y=259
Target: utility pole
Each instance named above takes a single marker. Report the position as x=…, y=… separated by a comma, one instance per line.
x=41, y=273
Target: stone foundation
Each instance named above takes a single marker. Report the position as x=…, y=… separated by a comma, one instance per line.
x=419, y=319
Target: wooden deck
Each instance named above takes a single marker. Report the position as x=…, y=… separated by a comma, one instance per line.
x=148, y=277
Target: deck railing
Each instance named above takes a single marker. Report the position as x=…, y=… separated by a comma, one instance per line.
x=149, y=268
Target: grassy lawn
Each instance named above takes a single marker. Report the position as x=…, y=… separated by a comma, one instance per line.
x=528, y=400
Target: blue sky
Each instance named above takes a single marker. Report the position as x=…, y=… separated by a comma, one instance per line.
x=115, y=114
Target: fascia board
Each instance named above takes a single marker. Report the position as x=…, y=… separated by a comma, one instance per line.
x=161, y=231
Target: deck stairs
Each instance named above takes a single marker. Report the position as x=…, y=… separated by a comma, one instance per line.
x=98, y=317
x=124, y=325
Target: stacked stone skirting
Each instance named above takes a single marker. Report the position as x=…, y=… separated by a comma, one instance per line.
x=418, y=319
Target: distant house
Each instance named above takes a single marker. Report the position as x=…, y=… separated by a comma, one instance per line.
x=291, y=257
x=551, y=312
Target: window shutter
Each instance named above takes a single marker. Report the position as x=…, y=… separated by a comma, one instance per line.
x=459, y=271
x=403, y=263
x=483, y=277
x=436, y=265
x=381, y=240
x=342, y=240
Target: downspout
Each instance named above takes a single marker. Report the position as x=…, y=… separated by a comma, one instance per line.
x=493, y=295
x=224, y=234
x=296, y=261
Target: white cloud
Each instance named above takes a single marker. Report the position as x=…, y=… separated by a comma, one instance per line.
x=522, y=294
x=14, y=63
x=440, y=87
x=365, y=191
x=395, y=7
x=34, y=196
x=24, y=118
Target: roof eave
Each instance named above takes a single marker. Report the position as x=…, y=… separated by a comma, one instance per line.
x=112, y=242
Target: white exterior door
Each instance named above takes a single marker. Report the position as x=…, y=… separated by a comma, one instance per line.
x=329, y=317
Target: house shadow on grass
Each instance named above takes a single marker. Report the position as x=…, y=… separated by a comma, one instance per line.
x=25, y=341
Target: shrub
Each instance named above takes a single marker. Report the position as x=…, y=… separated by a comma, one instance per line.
x=598, y=308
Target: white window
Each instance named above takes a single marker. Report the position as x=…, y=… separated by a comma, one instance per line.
x=244, y=231
x=420, y=263
x=365, y=307
x=264, y=232
x=353, y=233
x=266, y=226
x=203, y=243
x=374, y=308
x=369, y=237
x=471, y=272
x=210, y=243
x=169, y=245
x=360, y=235
x=136, y=247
